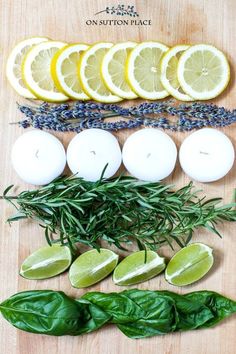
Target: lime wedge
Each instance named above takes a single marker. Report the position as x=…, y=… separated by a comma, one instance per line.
x=46, y=262
x=133, y=269
x=190, y=264
x=91, y=267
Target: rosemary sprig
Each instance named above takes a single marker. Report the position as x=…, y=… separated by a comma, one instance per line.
x=120, y=211
x=162, y=114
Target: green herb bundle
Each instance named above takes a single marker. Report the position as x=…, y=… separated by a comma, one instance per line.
x=121, y=210
x=137, y=313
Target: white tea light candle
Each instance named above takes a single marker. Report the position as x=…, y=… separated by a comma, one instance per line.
x=149, y=154
x=90, y=151
x=206, y=155
x=38, y=157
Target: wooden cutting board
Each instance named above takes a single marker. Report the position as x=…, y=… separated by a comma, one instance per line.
x=172, y=22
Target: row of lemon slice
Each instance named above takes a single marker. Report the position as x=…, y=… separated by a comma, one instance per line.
x=55, y=71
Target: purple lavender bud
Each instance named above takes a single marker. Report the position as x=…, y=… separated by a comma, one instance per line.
x=28, y=112
x=79, y=105
x=24, y=124
x=66, y=114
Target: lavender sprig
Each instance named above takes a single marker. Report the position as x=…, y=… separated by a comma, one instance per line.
x=166, y=115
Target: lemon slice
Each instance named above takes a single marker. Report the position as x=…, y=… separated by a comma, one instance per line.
x=14, y=62
x=36, y=71
x=90, y=73
x=143, y=70
x=203, y=72
x=64, y=69
x=169, y=77
x=113, y=70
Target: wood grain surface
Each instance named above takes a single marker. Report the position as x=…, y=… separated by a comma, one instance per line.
x=173, y=21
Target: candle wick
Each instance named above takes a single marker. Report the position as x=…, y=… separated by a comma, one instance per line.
x=37, y=154
x=93, y=152
x=148, y=155
x=204, y=153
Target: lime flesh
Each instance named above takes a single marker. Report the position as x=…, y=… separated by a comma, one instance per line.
x=189, y=264
x=91, y=267
x=46, y=262
x=133, y=269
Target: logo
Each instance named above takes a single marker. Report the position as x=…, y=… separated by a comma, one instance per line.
x=130, y=17
x=120, y=10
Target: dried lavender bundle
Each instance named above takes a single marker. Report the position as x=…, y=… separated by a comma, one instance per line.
x=166, y=115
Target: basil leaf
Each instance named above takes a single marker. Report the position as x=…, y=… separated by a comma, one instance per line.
x=95, y=319
x=120, y=308
x=47, y=312
x=191, y=314
x=137, y=313
x=51, y=312
x=159, y=314
x=219, y=305
x=140, y=313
